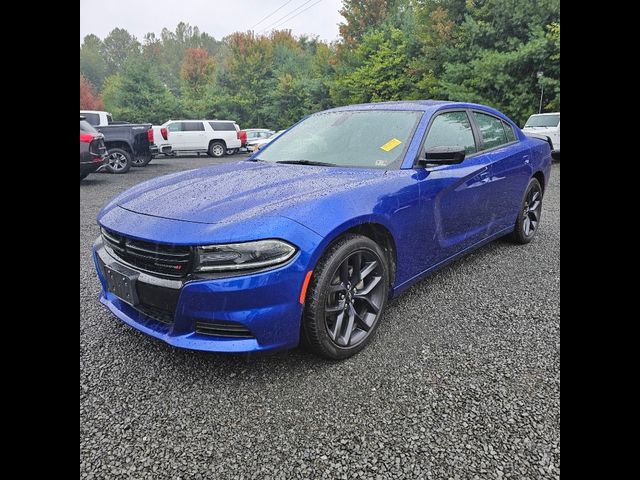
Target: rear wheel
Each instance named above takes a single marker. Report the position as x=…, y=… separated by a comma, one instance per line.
x=346, y=297
x=217, y=149
x=142, y=161
x=528, y=220
x=118, y=160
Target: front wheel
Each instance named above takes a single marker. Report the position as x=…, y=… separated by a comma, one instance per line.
x=346, y=297
x=118, y=160
x=217, y=149
x=528, y=220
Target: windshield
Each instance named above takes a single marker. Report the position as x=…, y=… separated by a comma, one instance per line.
x=372, y=139
x=87, y=127
x=543, y=121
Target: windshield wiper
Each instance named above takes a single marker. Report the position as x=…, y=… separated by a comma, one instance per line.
x=308, y=162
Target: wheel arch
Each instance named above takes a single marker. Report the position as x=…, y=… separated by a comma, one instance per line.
x=376, y=231
x=221, y=140
x=119, y=144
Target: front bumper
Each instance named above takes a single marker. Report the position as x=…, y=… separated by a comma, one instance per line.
x=265, y=304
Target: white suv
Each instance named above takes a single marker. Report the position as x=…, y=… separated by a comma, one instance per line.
x=545, y=124
x=215, y=137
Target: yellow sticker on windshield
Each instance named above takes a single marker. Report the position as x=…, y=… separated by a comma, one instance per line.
x=391, y=144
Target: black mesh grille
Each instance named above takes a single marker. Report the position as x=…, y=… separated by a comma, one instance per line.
x=171, y=260
x=223, y=329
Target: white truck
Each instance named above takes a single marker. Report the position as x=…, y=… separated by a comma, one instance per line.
x=97, y=118
x=214, y=137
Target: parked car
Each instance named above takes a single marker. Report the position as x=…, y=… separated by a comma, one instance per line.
x=545, y=124
x=256, y=134
x=258, y=144
x=214, y=137
x=127, y=144
x=243, y=139
x=92, y=149
x=312, y=235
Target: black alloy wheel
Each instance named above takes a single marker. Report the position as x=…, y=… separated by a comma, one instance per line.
x=528, y=220
x=346, y=297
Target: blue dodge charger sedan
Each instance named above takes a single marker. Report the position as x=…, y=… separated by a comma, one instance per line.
x=310, y=237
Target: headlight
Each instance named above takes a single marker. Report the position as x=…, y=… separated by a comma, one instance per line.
x=243, y=256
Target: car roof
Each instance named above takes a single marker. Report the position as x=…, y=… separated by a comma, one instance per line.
x=430, y=106
x=417, y=105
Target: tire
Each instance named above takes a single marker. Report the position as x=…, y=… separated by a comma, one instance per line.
x=141, y=161
x=346, y=330
x=528, y=220
x=232, y=151
x=217, y=149
x=118, y=160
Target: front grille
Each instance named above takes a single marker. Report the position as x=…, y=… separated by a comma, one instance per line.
x=223, y=329
x=170, y=260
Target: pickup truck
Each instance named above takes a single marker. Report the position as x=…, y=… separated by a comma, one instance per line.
x=128, y=144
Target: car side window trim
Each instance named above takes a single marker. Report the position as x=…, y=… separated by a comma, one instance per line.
x=476, y=133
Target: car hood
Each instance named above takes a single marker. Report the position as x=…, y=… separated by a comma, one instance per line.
x=238, y=191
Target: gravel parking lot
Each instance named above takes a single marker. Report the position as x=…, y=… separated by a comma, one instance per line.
x=462, y=380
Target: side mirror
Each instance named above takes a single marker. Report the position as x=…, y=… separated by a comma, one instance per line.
x=444, y=155
x=555, y=155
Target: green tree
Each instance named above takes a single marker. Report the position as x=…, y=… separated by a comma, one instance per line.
x=136, y=94
x=197, y=75
x=360, y=16
x=117, y=47
x=92, y=64
x=496, y=52
x=382, y=72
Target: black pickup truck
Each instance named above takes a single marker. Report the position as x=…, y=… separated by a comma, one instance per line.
x=128, y=144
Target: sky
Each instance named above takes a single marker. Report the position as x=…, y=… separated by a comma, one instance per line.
x=218, y=18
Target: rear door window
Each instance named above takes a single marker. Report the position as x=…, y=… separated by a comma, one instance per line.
x=491, y=129
x=224, y=126
x=192, y=127
x=508, y=130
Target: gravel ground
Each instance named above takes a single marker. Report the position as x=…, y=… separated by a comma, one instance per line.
x=462, y=380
